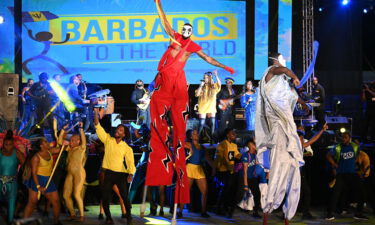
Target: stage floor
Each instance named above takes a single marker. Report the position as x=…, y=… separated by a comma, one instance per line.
x=239, y=218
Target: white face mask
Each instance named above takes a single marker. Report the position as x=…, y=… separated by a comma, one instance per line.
x=281, y=60
x=187, y=31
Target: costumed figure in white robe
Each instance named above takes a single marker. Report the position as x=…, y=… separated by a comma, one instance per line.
x=277, y=140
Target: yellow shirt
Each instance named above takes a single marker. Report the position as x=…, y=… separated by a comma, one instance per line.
x=206, y=100
x=114, y=153
x=363, y=162
x=45, y=167
x=226, y=152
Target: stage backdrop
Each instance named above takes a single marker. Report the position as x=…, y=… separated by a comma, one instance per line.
x=116, y=41
x=6, y=38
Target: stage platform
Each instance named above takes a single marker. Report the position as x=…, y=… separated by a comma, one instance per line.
x=239, y=218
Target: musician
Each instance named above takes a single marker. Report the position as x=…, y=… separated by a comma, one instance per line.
x=206, y=94
x=28, y=106
x=82, y=88
x=140, y=98
x=248, y=102
x=226, y=98
x=319, y=97
x=40, y=93
x=76, y=98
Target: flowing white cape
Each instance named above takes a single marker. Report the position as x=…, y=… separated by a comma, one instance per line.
x=276, y=132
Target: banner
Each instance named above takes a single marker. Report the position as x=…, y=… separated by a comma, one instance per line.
x=122, y=41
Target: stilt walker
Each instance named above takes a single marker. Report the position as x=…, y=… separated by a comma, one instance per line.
x=171, y=94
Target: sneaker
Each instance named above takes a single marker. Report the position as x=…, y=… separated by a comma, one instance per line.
x=360, y=216
x=161, y=213
x=344, y=212
x=329, y=217
x=205, y=215
x=109, y=221
x=307, y=216
x=179, y=215
x=100, y=217
x=123, y=216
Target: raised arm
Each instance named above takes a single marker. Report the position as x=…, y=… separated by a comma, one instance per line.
x=286, y=71
x=102, y=135
x=316, y=137
x=213, y=62
x=83, y=135
x=217, y=78
x=167, y=27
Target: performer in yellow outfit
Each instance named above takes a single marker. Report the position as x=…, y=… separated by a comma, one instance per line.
x=76, y=175
x=206, y=94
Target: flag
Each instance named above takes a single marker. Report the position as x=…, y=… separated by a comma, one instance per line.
x=35, y=16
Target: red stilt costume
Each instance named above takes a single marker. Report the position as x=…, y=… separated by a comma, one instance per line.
x=171, y=94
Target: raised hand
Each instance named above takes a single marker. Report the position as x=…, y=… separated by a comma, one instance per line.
x=229, y=69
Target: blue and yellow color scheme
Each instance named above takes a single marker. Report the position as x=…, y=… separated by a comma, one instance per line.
x=121, y=41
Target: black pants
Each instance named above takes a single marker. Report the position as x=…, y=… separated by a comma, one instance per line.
x=227, y=195
x=120, y=179
x=346, y=184
x=320, y=117
x=305, y=199
x=226, y=120
x=253, y=184
x=369, y=123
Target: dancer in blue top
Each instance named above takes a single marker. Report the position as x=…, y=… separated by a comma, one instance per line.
x=10, y=158
x=248, y=102
x=194, y=161
x=253, y=175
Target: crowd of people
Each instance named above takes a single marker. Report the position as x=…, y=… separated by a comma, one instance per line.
x=236, y=169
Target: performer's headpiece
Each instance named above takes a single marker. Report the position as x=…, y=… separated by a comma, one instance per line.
x=229, y=79
x=280, y=59
x=187, y=30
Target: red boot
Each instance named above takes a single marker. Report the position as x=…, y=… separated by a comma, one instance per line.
x=286, y=221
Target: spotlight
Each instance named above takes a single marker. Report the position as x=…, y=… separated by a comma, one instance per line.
x=365, y=11
x=320, y=9
x=342, y=130
x=1, y=19
x=345, y=2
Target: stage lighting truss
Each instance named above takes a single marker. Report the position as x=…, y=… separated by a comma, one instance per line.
x=308, y=38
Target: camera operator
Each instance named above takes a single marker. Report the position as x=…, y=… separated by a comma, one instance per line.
x=368, y=96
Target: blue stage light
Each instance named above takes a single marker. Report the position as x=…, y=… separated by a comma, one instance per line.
x=365, y=11
x=320, y=9
x=1, y=19
x=345, y=2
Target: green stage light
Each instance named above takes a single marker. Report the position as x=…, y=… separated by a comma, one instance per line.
x=63, y=96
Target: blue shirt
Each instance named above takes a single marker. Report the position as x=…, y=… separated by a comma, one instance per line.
x=346, y=163
x=251, y=160
x=198, y=156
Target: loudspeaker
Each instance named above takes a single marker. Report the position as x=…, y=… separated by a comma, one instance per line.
x=9, y=89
